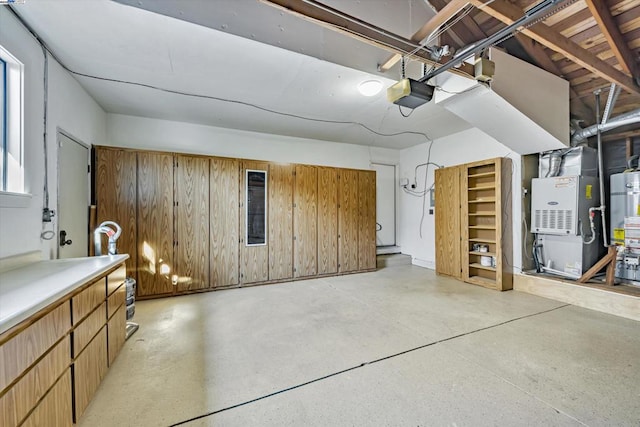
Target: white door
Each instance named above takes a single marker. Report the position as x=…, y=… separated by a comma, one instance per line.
x=73, y=198
x=385, y=204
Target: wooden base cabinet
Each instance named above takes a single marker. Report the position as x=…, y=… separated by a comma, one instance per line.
x=280, y=220
x=16, y=403
x=52, y=363
x=89, y=368
x=448, y=229
x=305, y=222
x=116, y=195
x=155, y=223
x=55, y=408
x=327, y=220
x=486, y=218
x=224, y=228
x=208, y=222
x=473, y=223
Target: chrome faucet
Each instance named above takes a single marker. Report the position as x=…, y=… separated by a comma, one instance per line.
x=112, y=230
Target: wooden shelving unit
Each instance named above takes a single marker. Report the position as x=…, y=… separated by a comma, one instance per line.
x=484, y=191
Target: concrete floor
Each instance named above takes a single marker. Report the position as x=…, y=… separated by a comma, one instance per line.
x=397, y=347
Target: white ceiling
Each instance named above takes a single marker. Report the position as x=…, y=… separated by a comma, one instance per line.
x=111, y=40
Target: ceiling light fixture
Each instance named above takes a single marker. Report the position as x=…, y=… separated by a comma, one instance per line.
x=370, y=87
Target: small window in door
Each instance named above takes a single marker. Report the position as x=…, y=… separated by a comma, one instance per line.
x=256, y=208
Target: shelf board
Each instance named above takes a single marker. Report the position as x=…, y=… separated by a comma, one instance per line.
x=483, y=281
x=481, y=267
x=483, y=213
x=483, y=227
x=477, y=175
x=482, y=253
x=483, y=200
x=483, y=187
x=479, y=240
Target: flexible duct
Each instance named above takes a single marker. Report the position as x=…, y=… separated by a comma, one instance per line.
x=621, y=120
x=555, y=162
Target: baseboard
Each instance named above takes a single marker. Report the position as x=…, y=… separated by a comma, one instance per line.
x=423, y=263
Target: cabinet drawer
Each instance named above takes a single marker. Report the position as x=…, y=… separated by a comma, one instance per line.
x=23, y=396
x=116, y=279
x=88, y=299
x=89, y=369
x=86, y=330
x=117, y=328
x=116, y=299
x=55, y=408
x=18, y=353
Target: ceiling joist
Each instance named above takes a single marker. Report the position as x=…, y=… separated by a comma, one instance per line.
x=445, y=14
x=545, y=35
x=336, y=20
x=612, y=33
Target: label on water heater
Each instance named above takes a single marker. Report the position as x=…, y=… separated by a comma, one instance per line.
x=618, y=234
x=588, y=191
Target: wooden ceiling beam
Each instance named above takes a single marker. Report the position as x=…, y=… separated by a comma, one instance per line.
x=612, y=33
x=537, y=53
x=445, y=14
x=351, y=26
x=543, y=34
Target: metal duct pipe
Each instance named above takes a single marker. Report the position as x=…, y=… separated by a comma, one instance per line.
x=614, y=91
x=621, y=120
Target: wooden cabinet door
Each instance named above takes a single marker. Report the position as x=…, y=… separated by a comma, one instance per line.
x=348, y=220
x=447, y=221
x=116, y=195
x=327, y=220
x=155, y=223
x=305, y=222
x=89, y=369
x=225, y=222
x=280, y=221
x=55, y=408
x=254, y=258
x=366, y=220
x=191, y=256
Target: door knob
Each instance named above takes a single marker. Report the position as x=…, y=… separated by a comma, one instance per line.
x=63, y=238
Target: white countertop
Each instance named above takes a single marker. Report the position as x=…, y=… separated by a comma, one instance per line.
x=27, y=289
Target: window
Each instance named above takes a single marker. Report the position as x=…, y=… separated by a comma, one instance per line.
x=11, y=123
x=256, y=203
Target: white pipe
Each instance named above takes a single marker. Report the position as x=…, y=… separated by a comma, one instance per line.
x=559, y=273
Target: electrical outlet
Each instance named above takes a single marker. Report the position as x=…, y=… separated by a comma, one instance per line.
x=47, y=214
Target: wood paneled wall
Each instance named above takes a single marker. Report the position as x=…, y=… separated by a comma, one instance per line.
x=192, y=222
x=155, y=222
x=224, y=227
x=305, y=222
x=188, y=212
